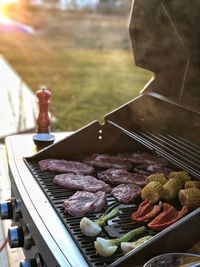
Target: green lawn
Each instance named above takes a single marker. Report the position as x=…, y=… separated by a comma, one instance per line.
x=86, y=81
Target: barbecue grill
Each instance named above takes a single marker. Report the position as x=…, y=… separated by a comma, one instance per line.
x=163, y=120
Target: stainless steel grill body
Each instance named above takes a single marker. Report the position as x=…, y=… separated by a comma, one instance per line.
x=164, y=120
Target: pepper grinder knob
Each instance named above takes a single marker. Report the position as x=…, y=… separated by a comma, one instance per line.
x=43, y=120
x=43, y=137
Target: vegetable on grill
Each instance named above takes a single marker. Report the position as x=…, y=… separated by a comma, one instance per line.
x=192, y=184
x=153, y=191
x=128, y=246
x=190, y=198
x=171, y=188
x=107, y=247
x=158, y=177
x=90, y=228
x=182, y=176
x=168, y=216
x=146, y=211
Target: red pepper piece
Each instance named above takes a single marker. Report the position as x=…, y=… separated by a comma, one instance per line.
x=146, y=211
x=141, y=209
x=168, y=216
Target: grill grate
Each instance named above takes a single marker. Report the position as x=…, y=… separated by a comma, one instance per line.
x=177, y=150
x=118, y=225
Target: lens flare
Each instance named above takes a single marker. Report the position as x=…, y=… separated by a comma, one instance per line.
x=3, y=7
x=5, y=2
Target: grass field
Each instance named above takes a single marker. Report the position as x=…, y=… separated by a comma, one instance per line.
x=84, y=58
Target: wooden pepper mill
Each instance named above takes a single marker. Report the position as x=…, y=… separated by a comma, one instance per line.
x=43, y=120
x=43, y=136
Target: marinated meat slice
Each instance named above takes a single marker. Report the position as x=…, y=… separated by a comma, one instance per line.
x=126, y=193
x=120, y=176
x=65, y=166
x=107, y=161
x=81, y=182
x=143, y=158
x=151, y=169
x=83, y=202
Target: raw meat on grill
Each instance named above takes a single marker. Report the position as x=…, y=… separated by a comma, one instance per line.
x=107, y=161
x=120, y=176
x=126, y=193
x=83, y=202
x=65, y=166
x=151, y=169
x=143, y=158
x=81, y=182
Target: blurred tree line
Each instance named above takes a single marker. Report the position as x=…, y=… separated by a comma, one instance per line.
x=119, y=6
x=104, y=6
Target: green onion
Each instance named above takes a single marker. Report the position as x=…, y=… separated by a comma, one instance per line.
x=90, y=228
x=128, y=246
x=107, y=247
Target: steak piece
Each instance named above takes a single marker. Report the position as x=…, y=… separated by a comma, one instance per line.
x=107, y=161
x=81, y=182
x=120, y=176
x=151, y=169
x=83, y=202
x=143, y=158
x=65, y=166
x=126, y=193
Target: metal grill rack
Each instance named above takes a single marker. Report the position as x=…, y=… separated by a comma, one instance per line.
x=177, y=150
x=116, y=227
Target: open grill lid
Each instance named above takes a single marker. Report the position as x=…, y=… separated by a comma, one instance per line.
x=165, y=37
x=165, y=40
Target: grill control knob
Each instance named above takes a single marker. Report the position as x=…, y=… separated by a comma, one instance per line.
x=36, y=262
x=16, y=237
x=19, y=236
x=28, y=263
x=6, y=209
x=9, y=209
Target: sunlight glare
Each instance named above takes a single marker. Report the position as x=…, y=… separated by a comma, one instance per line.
x=5, y=2
x=3, y=5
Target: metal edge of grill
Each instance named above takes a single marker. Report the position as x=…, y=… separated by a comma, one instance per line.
x=174, y=79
